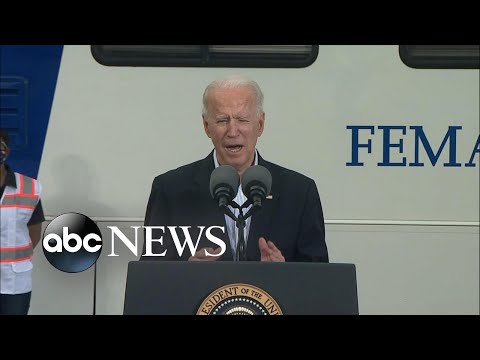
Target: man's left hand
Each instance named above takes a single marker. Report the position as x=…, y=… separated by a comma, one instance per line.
x=269, y=252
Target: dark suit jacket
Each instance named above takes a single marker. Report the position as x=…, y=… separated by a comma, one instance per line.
x=292, y=219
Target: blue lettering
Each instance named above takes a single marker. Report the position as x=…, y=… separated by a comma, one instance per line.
x=387, y=145
x=451, y=134
x=356, y=145
x=476, y=150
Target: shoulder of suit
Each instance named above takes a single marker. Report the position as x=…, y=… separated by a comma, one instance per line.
x=280, y=171
x=184, y=171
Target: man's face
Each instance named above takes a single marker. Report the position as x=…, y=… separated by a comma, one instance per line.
x=4, y=151
x=234, y=126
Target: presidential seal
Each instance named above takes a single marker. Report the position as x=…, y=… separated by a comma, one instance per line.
x=239, y=299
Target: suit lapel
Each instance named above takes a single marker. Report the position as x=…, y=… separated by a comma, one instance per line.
x=208, y=206
x=261, y=222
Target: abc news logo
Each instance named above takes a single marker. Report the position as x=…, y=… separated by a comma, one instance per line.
x=72, y=242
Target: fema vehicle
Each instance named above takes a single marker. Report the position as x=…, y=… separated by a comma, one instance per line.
x=390, y=134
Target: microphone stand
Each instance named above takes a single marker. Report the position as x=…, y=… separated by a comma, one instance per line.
x=241, y=253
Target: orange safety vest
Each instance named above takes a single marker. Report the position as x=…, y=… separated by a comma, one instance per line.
x=16, y=248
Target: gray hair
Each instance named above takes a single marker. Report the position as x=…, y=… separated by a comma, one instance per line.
x=234, y=81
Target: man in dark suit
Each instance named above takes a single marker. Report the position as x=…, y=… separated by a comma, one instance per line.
x=290, y=224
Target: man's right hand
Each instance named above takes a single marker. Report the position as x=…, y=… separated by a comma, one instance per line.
x=201, y=255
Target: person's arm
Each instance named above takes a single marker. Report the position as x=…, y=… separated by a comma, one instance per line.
x=201, y=255
x=157, y=214
x=311, y=245
x=35, y=232
x=35, y=224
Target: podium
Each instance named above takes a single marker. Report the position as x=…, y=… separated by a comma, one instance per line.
x=240, y=288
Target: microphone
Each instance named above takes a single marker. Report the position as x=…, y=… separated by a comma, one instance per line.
x=256, y=184
x=224, y=183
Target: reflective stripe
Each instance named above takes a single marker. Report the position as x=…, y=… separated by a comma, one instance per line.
x=16, y=248
x=16, y=254
x=25, y=198
x=26, y=185
x=20, y=183
x=21, y=201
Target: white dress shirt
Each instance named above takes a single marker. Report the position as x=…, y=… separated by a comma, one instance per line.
x=239, y=199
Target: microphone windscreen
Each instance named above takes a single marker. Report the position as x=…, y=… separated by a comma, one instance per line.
x=254, y=175
x=224, y=175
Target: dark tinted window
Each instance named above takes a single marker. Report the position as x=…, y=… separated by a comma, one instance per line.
x=441, y=56
x=247, y=56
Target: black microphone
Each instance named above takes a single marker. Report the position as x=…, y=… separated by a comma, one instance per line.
x=256, y=184
x=224, y=183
